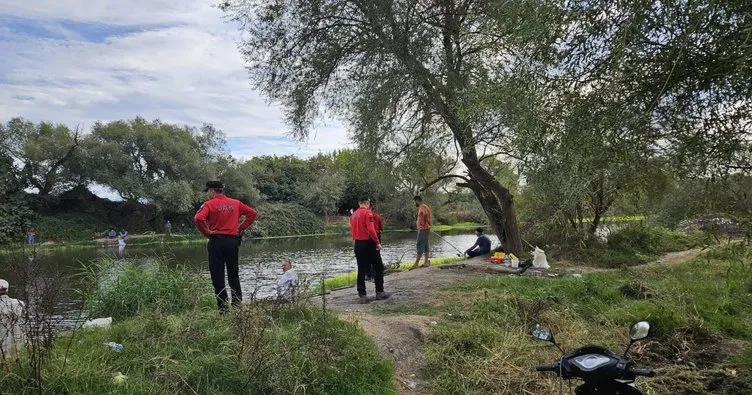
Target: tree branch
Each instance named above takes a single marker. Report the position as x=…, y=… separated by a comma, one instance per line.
x=444, y=177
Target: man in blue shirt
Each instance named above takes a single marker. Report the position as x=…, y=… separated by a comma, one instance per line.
x=482, y=245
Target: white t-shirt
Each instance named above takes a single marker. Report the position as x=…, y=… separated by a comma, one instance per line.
x=12, y=336
x=285, y=285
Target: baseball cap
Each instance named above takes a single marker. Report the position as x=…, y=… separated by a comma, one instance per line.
x=213, y=185
x=4, y=284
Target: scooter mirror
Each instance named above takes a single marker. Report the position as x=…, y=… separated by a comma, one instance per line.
x=639, y=330
x=543, y=333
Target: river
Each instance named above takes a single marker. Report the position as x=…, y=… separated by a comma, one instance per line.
x=314, y=258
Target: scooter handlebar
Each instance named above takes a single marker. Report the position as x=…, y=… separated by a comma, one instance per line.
x=642, y=372
x=546, y=368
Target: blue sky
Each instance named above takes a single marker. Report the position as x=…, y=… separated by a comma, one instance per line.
x=79, y=61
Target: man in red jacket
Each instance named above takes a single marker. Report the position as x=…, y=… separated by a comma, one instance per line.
x=218, y=220
x=378, y=223
x=367, y=246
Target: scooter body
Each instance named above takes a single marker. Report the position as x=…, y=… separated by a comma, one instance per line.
x=603, y=372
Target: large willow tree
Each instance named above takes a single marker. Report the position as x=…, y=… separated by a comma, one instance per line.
x=407, y=76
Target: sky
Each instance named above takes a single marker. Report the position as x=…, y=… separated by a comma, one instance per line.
x=79, y=61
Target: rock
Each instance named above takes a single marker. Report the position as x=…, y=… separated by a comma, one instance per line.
x=98, y=323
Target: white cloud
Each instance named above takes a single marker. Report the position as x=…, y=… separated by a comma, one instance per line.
x=132, y=12
x=176, y=61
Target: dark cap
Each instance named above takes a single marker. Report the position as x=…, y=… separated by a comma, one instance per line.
x=213, y=185
x=363, y=199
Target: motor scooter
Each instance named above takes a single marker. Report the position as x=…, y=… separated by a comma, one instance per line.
x=603, y=372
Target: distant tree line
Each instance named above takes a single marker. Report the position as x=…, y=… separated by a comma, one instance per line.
x=164, y=167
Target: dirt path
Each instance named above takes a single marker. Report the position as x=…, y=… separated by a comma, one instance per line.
x=401, y=337
x=679, y=257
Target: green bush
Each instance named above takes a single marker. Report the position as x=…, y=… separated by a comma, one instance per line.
x=285, y=220
x=69, y=226
x=125, y=291
x=645, y=239
x=15, y=219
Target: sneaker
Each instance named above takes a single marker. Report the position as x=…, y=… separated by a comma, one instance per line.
x=382, y=295
x=427, y=264
x=363, y=299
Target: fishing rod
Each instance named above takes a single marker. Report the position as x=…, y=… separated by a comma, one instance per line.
x=461, y=253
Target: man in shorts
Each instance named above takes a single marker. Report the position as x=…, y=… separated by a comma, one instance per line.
x=424, y=230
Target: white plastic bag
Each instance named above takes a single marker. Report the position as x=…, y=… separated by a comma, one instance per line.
x=539, y=259
x=98, y=323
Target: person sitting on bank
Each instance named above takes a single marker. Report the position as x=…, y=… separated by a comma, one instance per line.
x=12, y=336
x=482, y=245
x=287, y=284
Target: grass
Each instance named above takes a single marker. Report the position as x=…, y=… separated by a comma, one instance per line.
x=700, y=311
x=633, y=245
x=125, y=291
x=173, y=346
x=349, y=279
x=459, y=225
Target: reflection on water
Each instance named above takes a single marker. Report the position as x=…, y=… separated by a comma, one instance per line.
x=313, y=258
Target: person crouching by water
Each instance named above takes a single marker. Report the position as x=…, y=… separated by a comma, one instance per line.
x=12, y=336
x=218, y=220
x=288, y=283
x=367, y=246
x=482, y=245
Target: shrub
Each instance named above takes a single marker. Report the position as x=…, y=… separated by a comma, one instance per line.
x=15, y=218
x=124, y=291
x=645, y=239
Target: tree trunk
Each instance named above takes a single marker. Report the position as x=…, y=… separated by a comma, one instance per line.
x=498, y=204
x=595, y=223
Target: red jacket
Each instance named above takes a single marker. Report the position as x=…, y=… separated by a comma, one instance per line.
x=378, y=223
x=220, y=216
x=362, y=226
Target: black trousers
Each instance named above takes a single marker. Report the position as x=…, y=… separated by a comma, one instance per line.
x=223, y=251
x=369, y=259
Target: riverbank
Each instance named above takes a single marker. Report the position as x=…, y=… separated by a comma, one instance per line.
x=453, y=328
x=348, y=279
x=174, y=341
